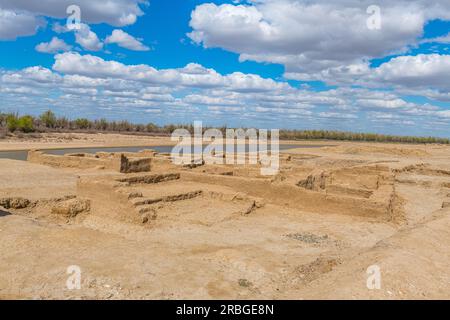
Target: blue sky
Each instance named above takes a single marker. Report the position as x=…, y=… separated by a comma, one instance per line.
x=164, y=28
x=271, y=63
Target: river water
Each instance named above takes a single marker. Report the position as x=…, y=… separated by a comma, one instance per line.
x=22, y=155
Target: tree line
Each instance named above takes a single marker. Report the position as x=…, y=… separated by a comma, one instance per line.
x=355, y=136
x=49, y=122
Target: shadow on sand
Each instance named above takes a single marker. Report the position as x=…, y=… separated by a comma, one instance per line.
x=4, y=213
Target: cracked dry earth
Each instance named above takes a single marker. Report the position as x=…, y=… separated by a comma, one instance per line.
x=226, y=232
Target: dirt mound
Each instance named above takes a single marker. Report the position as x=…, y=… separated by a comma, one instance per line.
x=15, y=203
x=424, y=170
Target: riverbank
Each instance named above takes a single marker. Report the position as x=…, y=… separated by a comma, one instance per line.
x=79, y=140
x=48, y=141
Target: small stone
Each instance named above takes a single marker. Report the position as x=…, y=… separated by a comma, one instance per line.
x=240, y=196
x=134, y=195
x=244, y=283
x=250, y=209
x=259, y=203
x=308, y=237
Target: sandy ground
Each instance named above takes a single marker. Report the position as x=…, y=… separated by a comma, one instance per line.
x=80, y=140
x=87, y=140
x=311, y=232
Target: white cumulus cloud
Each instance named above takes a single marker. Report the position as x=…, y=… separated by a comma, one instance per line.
x=314, y=40
x=14, y=24
x=423, y=70
x=125, y=40
x=193, y=75
x=54, y=46
x=113, y=12
x=88, y=39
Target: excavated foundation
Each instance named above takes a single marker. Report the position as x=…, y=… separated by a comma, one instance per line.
x=141, y=227
x=146, y=183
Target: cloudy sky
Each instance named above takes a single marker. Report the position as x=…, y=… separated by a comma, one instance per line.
x=374, y=66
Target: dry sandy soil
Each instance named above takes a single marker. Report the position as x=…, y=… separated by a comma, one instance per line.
x=226, y=232
x=80, y=140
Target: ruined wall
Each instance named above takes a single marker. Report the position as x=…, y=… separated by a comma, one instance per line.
x=129, y=165
x=110, y=198
x=295, y=197
x=112, y=161
x=72, y=161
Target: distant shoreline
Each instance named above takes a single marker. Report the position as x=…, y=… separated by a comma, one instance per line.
x=52, y=141
x=48, y=122
x=110, y=140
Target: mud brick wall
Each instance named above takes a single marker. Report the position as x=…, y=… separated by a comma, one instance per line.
x=70, y=161
x=118, y=162
x=129, y=165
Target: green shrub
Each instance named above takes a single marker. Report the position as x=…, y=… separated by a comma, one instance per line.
x=82, y=123
x=48, y=118
x=12, y=122
x=25, y=124
x=151, y=127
